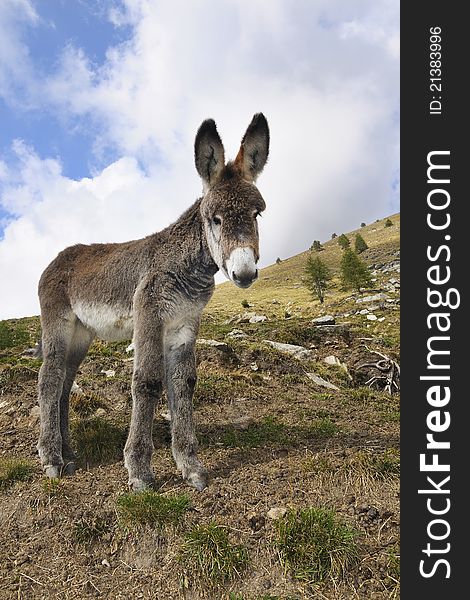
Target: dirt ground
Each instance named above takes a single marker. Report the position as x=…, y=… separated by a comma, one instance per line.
x=269, y=436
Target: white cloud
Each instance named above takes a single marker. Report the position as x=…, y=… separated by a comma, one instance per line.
x=325, y=74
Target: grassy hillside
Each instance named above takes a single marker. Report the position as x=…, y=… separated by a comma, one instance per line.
x=303, y=499
x=283, y=281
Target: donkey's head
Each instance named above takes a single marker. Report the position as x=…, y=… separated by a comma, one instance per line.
x=231, y=201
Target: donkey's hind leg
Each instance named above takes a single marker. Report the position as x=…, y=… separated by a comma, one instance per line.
x=80, y=343
x=57, y=335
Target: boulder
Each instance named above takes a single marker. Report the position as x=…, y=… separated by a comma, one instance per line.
x=298, y=352
x=325, y=320
x=375, y=298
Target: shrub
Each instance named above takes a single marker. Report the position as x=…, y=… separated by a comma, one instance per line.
x=360, y=244
x=333, y=235
x=245, y=303
x=363, y=224
x=388, y=223
x=354, y=272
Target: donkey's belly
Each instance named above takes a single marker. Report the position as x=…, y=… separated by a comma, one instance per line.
x=112, y=323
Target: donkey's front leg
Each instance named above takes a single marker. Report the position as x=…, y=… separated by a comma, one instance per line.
x=180, y=366
x=147, y=384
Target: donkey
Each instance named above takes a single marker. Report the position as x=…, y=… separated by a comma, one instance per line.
x=152, y=290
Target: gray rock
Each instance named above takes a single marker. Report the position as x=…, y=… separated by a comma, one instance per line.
x=248, y=317
x=364, y=311
x=109, y=373
x=376, y=298
x=236, y=334
x=321, y=382
x=298, y=352
x=257, y=319
x=222, y=346
x=276, y=513
x=371, y=317
x=325, y=320
x=332, y=360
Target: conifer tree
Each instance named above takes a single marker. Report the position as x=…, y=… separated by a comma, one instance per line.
x=317, y=276
x=344, y=242
x=354, y=272
x=360, y=244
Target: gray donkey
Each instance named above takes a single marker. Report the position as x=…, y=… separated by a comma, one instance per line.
x=152, y=290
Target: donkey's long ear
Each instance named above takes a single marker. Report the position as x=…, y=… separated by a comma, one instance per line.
x=254, y=149
x=209, y=153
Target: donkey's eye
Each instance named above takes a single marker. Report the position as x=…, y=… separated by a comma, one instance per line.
x=217, y=220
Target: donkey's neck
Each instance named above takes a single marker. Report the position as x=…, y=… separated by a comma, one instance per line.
x=190, y=263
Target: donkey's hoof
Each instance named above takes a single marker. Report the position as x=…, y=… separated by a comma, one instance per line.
x=197, y=480
x=52, y=471
x=141, y=484
x=69, y=468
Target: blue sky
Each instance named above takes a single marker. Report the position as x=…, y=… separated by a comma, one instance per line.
x=100, y=102
x=60, y=24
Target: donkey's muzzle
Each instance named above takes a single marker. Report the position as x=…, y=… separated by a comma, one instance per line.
x=241, y=266
x=245, y=278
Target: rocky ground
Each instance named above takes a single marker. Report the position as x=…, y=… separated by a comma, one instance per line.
x=296, y=406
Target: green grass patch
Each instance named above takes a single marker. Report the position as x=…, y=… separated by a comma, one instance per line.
x=385, y=465
x=215, y=387
x=149, y=508
x=90, y=529
x=267, y=431
x=19, y=333
x=381, y=403
x=208, y=555
x=13, y=470
x=323, y=427
x=53, y=487
x=393, y=570
x=97, y=440
x=314, y=545
x=86, y=403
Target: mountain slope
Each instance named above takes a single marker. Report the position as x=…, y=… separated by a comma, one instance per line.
x=311, y=431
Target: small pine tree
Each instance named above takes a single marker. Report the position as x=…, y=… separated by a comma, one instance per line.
x=316, y=246
x=354, y=272
x=333, y=235
x=388, y=223
x=360, y=244
x=317, y=277
x=344, y=242
x=278, y=261
x=363, y=224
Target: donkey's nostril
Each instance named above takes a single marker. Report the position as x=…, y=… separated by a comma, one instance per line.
x=244, y=279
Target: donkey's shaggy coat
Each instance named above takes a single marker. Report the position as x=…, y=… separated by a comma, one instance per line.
x=154, y=291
